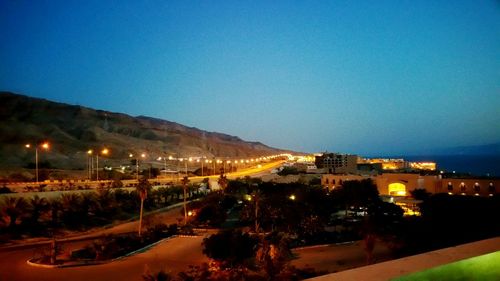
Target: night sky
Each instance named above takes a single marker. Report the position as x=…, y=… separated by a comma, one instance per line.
x=367, y=77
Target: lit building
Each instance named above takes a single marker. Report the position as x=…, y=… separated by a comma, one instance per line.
x=398, y=164
x=396, y=187
x=401, y=184
x=337, y=163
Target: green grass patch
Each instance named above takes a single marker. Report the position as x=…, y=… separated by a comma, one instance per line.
x=485, y=267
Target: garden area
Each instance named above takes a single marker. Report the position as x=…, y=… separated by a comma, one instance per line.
x=105, y=249
x=77, y=211
x=260, y=222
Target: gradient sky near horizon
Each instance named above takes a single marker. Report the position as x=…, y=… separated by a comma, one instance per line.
x=366, y=77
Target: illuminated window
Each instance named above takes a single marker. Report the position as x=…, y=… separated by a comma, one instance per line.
x=450, y=186
x=462, y=187
x=340, y=182
x=397, y=189
x=491, y=188
x=333, y=181
x=326, y=181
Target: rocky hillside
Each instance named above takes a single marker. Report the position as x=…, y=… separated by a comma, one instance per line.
x=72, y=130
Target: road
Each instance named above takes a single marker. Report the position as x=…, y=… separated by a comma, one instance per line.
x=173, y=255
x=255, y=171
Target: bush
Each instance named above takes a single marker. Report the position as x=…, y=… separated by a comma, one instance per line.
x=288, y=171
x=4, y=189
x=113, y=246
x=230, y=247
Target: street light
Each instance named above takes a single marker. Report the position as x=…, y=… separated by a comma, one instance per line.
x=143, y=155
x=185, y=181
x=44, y=145
x=256, y=195
x=90, y=163
x=206, y=162
x=105, y=151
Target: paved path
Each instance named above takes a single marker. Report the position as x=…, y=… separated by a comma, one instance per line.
x=173, y=255
x=333, y=258
x=168, y=215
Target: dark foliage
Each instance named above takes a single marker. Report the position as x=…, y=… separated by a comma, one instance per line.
x=230, y=247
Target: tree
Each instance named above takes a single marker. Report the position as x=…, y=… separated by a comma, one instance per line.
x=273, y=254
x=55, y=208
x=222, y=181
x=71, y=206
x=142, y=188
x=14, y=208
x=288, y=171
x=165, y=193
x=357, y=193
x=185, y=181
x=160, y=276
x=230, y=247
x=89, y=205
x=38, y=206
x=369, y=240
x=117, y=183
x=420, y=194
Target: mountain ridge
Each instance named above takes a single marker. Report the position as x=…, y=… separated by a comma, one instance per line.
x=73, y=129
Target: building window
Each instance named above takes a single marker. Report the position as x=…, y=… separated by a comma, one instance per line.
x=340, y=182
x=333, y=181
x=397, y=189
x=462, y=187
x=491, y=188
x=326, y=181
x=450, y=186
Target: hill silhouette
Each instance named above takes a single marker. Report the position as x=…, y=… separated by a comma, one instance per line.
x=73, y=129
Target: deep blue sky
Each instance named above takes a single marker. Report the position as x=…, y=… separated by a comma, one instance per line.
x=367, y=77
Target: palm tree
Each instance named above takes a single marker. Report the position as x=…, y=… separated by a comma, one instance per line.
x=38, y=206
x=222, y=181
x=142, y=189
x=184, y=182
x=55, y=208
x=14, y=208
x=71, y=209
x=89, y=204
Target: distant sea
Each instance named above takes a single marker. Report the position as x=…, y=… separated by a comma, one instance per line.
x=479, y=165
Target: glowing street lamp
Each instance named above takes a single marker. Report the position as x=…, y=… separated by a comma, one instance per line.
x=90, y=163
x=44, y=145
x=104, y=152
x=143, y=155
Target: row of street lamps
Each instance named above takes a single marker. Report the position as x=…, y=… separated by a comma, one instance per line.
x=90, y=152
x=205, y=162
x=43, y=145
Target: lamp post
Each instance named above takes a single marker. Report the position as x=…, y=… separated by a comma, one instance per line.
x=206, y=162
x=255, y=195
x=185, y=181
x=105, y=151
x=165, y=166
x=45, y=146
x=90, y=164
x=143, y=155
